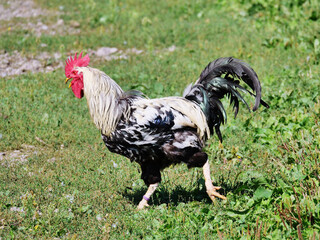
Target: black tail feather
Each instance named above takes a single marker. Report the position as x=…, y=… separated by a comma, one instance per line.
x=237, y=69
x=212, y=86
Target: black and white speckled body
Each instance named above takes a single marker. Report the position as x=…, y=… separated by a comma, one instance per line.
x=154, y=137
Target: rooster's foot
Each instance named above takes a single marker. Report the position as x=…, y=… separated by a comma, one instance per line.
x=212, y=192
x=143, y=203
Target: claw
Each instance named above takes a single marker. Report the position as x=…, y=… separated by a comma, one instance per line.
x=142, y=204
x=213, y=193
x=211, y=190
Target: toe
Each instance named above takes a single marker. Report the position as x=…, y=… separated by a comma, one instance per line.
x=213, y=194
x=216, y=194
x=142, y=205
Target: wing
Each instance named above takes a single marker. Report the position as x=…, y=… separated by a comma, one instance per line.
x=169, y=113
x=155, y=123
x=151, y=123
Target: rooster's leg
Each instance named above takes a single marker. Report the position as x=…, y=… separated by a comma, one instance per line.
x=211, y=190
x=144, y=202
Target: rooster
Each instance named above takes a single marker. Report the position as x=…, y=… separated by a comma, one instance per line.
x=157, y=133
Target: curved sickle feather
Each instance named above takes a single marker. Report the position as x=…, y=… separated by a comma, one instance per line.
x=236, y=68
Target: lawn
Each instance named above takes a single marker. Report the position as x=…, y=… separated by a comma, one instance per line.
x=58, y=180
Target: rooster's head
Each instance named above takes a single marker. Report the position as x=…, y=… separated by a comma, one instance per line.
x=72, y=73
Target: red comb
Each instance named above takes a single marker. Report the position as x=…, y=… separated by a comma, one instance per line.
x=80, y=61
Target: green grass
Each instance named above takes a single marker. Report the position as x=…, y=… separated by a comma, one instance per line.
x=71, y=187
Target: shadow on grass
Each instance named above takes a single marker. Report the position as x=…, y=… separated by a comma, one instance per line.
x=173, y=197
x=197, y=192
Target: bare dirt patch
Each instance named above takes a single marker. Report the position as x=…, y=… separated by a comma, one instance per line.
x=20, y=156
x=21, y=9
x=112, y=53
x=33, y=23
x=15, y=63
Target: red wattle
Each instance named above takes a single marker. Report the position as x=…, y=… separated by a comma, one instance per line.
x=77, y=88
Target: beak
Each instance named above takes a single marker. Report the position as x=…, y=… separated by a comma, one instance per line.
x=67, y=79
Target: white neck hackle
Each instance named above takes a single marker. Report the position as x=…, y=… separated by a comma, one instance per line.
x=103, y=95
